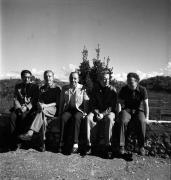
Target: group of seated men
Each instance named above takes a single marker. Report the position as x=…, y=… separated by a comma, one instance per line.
x=99, y=107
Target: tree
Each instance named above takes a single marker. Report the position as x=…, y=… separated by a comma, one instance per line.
x=87, y=73
x=84, y=68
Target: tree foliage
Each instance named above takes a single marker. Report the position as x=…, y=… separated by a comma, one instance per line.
x=90, y=73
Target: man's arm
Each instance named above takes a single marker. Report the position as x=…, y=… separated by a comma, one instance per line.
x=146, y=109
x=17, y=104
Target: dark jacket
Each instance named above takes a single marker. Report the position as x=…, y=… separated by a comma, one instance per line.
x=103, y=99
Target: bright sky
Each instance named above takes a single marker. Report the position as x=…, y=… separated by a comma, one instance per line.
x=50, y=34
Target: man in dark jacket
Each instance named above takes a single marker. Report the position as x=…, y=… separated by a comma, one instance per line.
x=25, y=100
x=103, y=103
x=133, y=99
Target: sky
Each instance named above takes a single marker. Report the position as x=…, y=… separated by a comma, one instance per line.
x=50, y=34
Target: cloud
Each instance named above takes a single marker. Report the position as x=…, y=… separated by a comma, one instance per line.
x=167, y=70
x=119, y=76
x=162, y=72
x=66, y=71
x=37, y=73
x=13, y=75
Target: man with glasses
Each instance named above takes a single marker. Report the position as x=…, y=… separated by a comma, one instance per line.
x=101, y=119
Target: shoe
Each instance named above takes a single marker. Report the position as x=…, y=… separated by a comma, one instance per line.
x=74, y=150
x=25, y=137
x=59, y=149
x=88, y=150
x=122, y=150
x=142, y=151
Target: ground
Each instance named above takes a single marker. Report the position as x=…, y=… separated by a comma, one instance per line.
x=31, y=164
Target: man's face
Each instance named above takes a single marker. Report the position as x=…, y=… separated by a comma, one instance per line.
x=104, y=80
x=26, y=78
x=132, y=83
x=49, y=77
x=74, y=79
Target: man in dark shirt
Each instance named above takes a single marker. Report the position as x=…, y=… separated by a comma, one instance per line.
x=134, y=102
x=103, y=102
x=25, y=100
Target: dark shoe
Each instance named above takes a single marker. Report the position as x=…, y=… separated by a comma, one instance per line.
x=25, y=137
x=59, y=150
x=74, y=150
x=122, y=150
x=142, y=151
x=42, y=148
x=88, y=150
x=14, y=147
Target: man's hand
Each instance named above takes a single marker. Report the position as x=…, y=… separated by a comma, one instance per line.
x=147, y=120
x=23, y=108
x=100, y=116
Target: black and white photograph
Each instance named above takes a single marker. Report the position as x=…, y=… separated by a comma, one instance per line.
x=85, y=89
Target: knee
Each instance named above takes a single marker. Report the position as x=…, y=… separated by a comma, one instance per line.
x=13, y=116
x=78, y=116
x=123, y=117
x=89, y=118
x=110, y=118
x=141, y=117
x=65, y=117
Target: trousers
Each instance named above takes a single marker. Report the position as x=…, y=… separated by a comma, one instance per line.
x=95, y=129
x=136, y=121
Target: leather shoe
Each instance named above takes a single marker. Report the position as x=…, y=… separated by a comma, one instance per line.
x=122, y=150
x=25, y=137
x=74, y=150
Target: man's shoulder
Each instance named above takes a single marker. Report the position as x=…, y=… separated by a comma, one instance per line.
x=124, y=88
x=57, y=86
x=142, y=88
x=18, y=85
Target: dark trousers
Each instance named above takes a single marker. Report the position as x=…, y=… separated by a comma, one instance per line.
x=73, y=118
x=136, y=122
x=19, y=124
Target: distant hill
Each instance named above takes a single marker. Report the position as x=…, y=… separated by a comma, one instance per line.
x=158, y=83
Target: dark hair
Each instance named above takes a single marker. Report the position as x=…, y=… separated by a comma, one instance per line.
x=74, y=72
x=133, y=75
x=48, y=71
x=25, y=72
x=104, y=72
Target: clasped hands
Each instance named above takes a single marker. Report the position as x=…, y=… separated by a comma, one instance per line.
x=99, y=116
